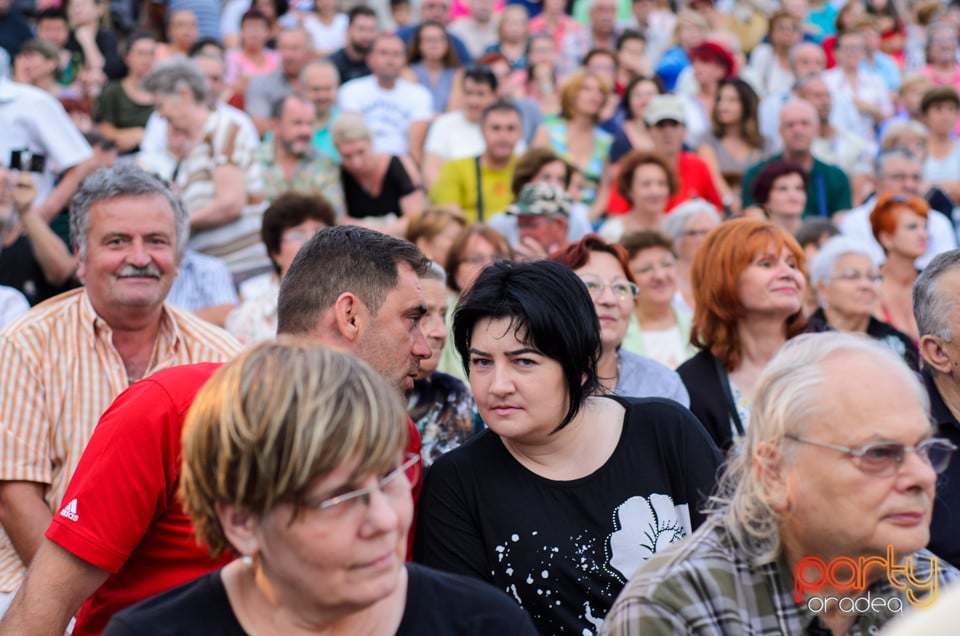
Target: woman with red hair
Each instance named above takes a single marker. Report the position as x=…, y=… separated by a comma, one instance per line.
x=605, y=270
x=748, y=283
x=899, y=224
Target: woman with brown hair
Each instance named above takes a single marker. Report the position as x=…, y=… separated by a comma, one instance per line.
x=748, y=282
x=734, y=142
x=647, y=182
x=899, y=223
x=434, y=230
x=433, y=63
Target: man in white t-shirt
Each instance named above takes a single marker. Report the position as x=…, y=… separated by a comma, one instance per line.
x=396, y=110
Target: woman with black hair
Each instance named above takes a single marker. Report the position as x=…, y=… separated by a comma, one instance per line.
x=568, y=492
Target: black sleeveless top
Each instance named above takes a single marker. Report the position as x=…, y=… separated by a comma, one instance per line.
x=396, y=185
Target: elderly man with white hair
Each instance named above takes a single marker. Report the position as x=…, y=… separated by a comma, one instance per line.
x=847, y=282
x=821, y=518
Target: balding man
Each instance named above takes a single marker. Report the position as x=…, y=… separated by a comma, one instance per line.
x=396, y=110
x=828, y=189
x=820, y=521
x=320, y=82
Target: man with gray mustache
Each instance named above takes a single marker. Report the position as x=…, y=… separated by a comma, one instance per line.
x=67, y=359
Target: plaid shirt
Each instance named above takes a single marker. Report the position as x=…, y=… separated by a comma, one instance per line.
x=707, y=585
x=313, y=174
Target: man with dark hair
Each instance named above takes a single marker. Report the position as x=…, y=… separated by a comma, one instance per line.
x=351, y=60
x=457, y=134
x=320, y=82
x=289, y=160
x=480, y=184
x=294, y=45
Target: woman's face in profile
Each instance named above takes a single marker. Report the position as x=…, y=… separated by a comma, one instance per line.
x=520, y=393
x=347, y=556
x=604, y=276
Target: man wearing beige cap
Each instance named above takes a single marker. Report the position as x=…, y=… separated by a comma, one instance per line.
x=543, y=214
x=667, y=124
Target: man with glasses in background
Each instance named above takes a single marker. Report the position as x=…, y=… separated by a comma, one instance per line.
x=820, y=521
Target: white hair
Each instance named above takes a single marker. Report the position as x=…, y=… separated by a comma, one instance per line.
x=821, y=266
x=676, y=222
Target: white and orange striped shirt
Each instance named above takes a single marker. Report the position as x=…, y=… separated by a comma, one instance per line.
x=60, y=373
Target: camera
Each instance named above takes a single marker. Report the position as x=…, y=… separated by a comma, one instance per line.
x=26, y=160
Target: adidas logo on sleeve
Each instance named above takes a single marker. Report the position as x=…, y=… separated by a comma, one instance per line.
x=70, y=511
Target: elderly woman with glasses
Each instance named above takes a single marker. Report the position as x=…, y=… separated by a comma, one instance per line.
x=687, y=226
x=847, y=283
x=293, y=459
x=605, y=270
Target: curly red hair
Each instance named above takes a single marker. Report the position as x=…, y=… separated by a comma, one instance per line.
x=576, y=255
x=725, y=253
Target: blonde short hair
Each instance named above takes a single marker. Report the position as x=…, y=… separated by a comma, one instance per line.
x=275, y=419
x=348, y=127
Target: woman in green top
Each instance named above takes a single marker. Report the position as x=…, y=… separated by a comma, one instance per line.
x=123, y=108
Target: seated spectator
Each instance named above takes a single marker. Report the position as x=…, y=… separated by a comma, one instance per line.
x=457, y=134
x=542, y=165
x=633, y=133
x=293, y=47
x=770, y=60
x=600, y=33
x=13, y=304
x=939, y=108
x=320, y=82
x=337, y=426
x=252, y=58
x=480, y=185
x=748, y=285
x=658, y=330
x=437, y=11
x=554, y=20
x=534, y=132
x=604, y=267
x=836, y=145
x=326, y=25
x=690, y=30
x=433, y=64
x=665, y=119
x=396, y=110
x=37, y=63
x=647, y=182
x=380, y=190
x=540, y=78
x=290, y=221
x=289, y=160
x=578, y=527
x=182, y=34
x=575, y=134
x=834, y=414
x=711, y=64
x=632, y=60
x=849, y=83
x=780, y=191
x=805, y=58
x=513, y=36
x=218, y=180
x=847, y=283
x=351, y=60
x=876, y=61
x=542, y=211
x=899, y=224
x=124, y=106
x=52, y=27
x=478, y=30
x=733, y=142
x=687, y=226
x=434, y=230
x=440, y=405
x=828, y=188
x=98, y=47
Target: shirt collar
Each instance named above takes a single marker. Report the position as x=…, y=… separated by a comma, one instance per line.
x=169, y=337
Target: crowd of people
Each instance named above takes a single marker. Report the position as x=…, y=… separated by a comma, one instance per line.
x=479, y=317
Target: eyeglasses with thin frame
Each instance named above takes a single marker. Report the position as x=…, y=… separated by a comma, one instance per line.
x=882, y=459
x=622, y=290
x=852, y=275
x=390, y=484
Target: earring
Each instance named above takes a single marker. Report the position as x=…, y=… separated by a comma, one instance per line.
x=247, y=560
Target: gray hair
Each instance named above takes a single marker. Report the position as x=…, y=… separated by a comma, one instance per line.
x=880, y=165
x=169, y=76
x=435, y=272
x=123, y=180
x=890, y=140
x=788, y=394
x=931, y=308
x=676, y=221
x=349, y=127
x=821, y=266
x=795, y=50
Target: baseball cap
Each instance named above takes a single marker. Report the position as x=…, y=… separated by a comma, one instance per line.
x=663, y=108
x=540, y=199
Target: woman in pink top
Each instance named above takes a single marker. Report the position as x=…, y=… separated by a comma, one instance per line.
x=253, y=57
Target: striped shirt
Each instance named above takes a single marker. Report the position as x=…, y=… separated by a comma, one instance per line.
x=60, y=373
x=706, y=585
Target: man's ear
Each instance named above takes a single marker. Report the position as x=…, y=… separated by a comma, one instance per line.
x=767, y=466
x=239, y=527
x=934, y=355
x=351, y=316
x=81, y=265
